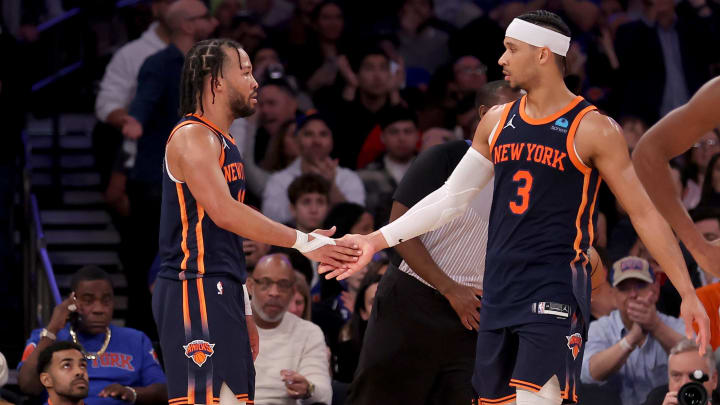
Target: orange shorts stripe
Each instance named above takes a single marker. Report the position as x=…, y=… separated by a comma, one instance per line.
x=497, y=401
x=186, y=308
x=524, y=384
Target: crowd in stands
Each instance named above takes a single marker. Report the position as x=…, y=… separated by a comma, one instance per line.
x=350, y=92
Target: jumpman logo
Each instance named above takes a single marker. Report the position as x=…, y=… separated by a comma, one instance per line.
x=225, y=145
x=510, y=124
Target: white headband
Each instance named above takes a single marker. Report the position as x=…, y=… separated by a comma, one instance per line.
x=538, y=36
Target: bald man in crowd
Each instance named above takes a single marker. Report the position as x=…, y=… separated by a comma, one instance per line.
x=152, y=115
x=293, y=362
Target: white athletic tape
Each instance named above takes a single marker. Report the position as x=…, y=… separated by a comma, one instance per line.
x=303, y=246
x=538, y=36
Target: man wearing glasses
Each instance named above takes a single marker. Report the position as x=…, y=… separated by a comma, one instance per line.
x=293, y=362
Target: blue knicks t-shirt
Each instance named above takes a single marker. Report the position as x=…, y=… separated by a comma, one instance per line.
x=541, y=222
x=129, y=360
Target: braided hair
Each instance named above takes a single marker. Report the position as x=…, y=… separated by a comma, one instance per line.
x=204, y=58
x=552, y=21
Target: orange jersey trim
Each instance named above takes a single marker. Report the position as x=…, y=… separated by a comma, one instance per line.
x=178, y=126
x=213, y=126
x=550, y=118
x=184, y=219
x=570, y=145
x=496, y=134
x=200, y=240
x=581, y=209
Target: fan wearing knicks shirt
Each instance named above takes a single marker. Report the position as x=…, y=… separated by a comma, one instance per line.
x=208, y=337
x=432, y=296
x=547, y=153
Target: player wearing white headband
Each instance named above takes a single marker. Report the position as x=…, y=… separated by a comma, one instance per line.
x=547, y=152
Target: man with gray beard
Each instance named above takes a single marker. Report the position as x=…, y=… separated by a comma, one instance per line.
x=293, y=362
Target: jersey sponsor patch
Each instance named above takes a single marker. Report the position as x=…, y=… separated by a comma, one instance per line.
x=551, y=308
x=199, y=351
x=574, y=343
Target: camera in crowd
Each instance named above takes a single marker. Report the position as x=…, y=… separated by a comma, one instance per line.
x=694, y=393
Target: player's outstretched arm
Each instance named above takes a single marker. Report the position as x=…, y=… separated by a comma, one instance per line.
x=193, y=155
x=671, y=136
x=438, y=208
x=599, y=140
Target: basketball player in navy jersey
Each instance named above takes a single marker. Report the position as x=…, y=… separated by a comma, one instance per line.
x=669, y=137
x=547, y=152
x=198, y=297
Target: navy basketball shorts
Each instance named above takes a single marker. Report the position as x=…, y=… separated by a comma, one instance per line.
x=204, y=339
x=525, y=357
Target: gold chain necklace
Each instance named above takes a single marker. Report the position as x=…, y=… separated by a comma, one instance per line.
x=91, y=355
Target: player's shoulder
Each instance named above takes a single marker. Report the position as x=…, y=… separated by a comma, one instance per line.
x=709, y=93
x=192, y=132
x=596, y=123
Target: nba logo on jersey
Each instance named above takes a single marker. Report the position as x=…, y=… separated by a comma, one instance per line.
x=574, y=342
x=220, y=287
x=199, y=351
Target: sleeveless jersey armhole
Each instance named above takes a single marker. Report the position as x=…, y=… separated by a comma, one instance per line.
x=167, y=170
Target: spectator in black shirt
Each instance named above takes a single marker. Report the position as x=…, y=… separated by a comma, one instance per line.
x=664, y=58
x=369, y=91
x=381, y=177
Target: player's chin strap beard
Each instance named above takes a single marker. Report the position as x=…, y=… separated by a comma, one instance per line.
x=91, y=355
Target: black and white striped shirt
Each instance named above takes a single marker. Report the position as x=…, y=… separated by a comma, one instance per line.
x=459, y=246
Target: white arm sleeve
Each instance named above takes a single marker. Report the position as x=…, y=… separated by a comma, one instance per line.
x=248, y=307
x=444, y=204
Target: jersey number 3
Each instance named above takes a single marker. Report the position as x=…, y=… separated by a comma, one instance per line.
x=525, y=178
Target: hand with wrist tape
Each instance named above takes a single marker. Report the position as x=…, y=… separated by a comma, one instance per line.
x=368, y=245
x=320, y=247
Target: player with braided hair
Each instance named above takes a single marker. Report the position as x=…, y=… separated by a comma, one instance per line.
x=208, y=337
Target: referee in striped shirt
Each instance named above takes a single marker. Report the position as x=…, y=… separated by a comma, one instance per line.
x=419, y=346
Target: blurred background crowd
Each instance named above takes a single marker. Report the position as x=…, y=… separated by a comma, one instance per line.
x=350, y=93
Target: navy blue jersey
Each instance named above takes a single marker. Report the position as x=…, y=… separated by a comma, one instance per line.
x=191, y=244
x=541, y=221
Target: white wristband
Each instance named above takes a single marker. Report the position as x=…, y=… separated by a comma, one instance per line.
x=248, y=307
x=302, y=244
x=625, y=345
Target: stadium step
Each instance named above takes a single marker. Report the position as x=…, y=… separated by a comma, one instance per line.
x=75, y=217
x=78, y=229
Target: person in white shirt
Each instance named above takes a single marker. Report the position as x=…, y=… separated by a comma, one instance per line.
x=119, y=82
x=315, y=142
x=292, y=367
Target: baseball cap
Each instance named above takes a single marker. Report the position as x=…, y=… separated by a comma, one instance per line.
x=631, y=267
